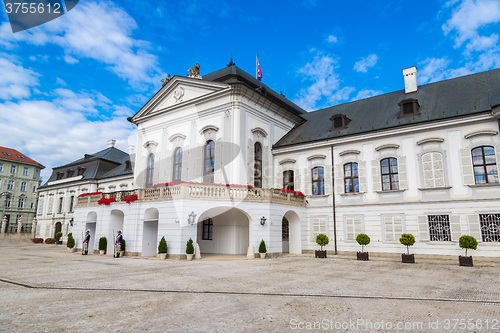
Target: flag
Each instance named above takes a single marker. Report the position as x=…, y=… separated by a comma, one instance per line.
x=259, y=73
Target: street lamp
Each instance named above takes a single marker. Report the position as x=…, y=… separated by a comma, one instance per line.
x=262, y=220
x=191, y=218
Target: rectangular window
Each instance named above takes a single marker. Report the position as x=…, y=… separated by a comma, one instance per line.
x=12, y=169
x=21, y=203
x=81, y=171
x=10, y=185
x=35, y=174
x=288, y=180
x=208, y=226
x=318, y=181
x=390, y=177
x=34, y=189
x=23, y=186
x=60, y=205
x=393, y=227
x=1, y=166
x=351, y=177
x=25, y=171
x=71, y=201
x=59, y=175
x=353, y=227
x=490, y=227
x=7, y=202
x=319, y=226
x=439, y=227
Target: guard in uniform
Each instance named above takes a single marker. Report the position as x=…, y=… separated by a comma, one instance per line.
x=118, y=244
x=86, y=241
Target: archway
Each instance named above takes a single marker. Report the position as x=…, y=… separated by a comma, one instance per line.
x=223, y=230
x=90, y=224
x=115, y=224
x=150, y=232
x=292, y=245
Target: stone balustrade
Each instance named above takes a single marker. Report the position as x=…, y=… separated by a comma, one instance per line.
x=194, y=191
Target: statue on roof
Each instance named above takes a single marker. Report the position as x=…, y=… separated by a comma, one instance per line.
x=165, y=80
x=194, y=72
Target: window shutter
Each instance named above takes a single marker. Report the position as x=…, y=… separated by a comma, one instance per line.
x=328, y=179
x=339, y=179
x=185, y=164
x=169, y=161
x=296, y=180
x=403, y=178
x=265, y=166
x=318, y=227
x=308, y=182
x=279, y=178
x=497, y=153
x=474, y=226
x=358, y=227
x=455, y=227
x=398, y=227
x=428, y=170
x=349, y=228
x=250, y=161
x=362, y=176
x=377, y=186
x=389, y=228
x=438, y=167
x=423, y=228
x=199, y=160
x=467, y=170
x=51, y=205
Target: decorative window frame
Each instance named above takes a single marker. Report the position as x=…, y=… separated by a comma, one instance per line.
x=465, y=155
x=351, y=155
x=383, y=227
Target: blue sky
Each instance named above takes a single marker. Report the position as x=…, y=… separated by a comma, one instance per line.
x=67, y=86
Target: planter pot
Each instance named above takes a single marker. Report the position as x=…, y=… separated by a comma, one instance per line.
x=189, y=257
x=163, y=256
x=408, y=258
x=262, y=255
x=362, y=256
x=101, y=252
x=320, y=254
x=122, y=253
x=465, y=261
x=71, y=250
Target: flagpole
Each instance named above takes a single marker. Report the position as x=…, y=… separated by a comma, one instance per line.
x=256, y=66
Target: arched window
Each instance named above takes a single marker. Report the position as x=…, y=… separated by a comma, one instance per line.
x=351, y=178
x=177, y=164
x=209, y=162
x=257, y=165
x=389, y=171
x=150, y=170
x=288, y=180
x=485, y=165
x=318, y=181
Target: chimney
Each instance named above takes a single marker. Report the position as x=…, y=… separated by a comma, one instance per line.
x=111, y=143
x=131, y=150
x=410, y=75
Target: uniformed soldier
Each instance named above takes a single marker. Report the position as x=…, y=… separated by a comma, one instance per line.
x=118, y=244
x=86, y=241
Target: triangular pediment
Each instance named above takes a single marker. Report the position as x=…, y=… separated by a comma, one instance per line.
x=177, y=92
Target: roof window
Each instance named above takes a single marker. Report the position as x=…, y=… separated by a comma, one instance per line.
x=408, y=107
x=339, y=121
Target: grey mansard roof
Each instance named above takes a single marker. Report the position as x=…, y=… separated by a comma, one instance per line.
x=462, y=96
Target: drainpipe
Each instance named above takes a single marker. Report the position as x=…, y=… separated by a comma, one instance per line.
x=333, y=206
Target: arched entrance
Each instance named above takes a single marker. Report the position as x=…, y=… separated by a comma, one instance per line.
x=90, y=224
x=150, y=232
x=223, y=230
x=115, y=224
x=290, y=233
x=58, y=228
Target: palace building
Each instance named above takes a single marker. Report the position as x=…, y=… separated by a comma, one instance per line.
x=226, y=161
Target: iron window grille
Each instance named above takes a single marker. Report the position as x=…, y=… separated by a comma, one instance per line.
x=351, y=177
x=439, y=228
x=389, y=172
x=490, y=227
x=485, y=165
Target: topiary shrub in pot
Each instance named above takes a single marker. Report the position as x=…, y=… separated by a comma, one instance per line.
x=189, y=249
x=321, y=240
x=70, y=243
x=162, y=248
x=362, y=239
x=103, y=244
x=58, y=236
x=407, y=240
x=262, y=249
x=466, y=242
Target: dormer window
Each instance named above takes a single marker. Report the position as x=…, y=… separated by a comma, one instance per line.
x=128, y=165
x=339, y=121
x=59, y=175
x=81, y=171
x=408, y=107
x=70, y=173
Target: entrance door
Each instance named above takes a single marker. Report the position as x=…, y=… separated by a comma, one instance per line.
x=149, y=238
x=58, y=228
x=285, y=235
x=91, y=226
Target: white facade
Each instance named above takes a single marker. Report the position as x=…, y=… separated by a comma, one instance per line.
x=434, y=180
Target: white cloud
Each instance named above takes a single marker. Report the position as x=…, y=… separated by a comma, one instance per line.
x=365, y=63
x=432, y=70
x=70, y=60
x=365, y=93
x=60, y=82
x=96, y=30
x=15, y=80
x=468, y=18
x=332, y=39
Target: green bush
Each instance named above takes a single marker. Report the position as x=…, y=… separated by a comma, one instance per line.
x=123, y=245
x=407, y=240
x=162, y=247
x=189, y=247
x=262, y=247
x=58, y=234
x=363, y=239
x=467, y=242
x=71, y=241
x=103, y=244
x=322, y=240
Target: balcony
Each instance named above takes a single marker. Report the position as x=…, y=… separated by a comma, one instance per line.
x=194, y=191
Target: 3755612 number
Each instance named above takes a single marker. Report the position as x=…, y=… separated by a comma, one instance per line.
x=32, y=8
